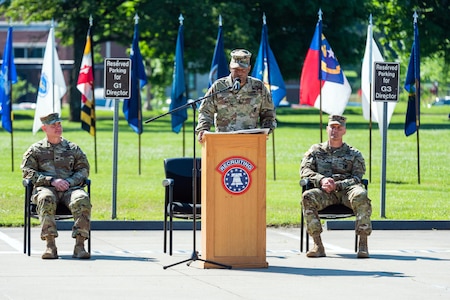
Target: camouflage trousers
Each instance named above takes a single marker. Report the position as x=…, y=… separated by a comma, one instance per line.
x=76, y=199
x=354, y=197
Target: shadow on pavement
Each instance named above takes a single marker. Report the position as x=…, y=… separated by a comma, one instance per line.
x=326, y=272
x=110, y=257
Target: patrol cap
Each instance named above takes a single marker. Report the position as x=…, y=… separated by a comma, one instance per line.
x=240, y=58
x=336, y=120
x=50, y=119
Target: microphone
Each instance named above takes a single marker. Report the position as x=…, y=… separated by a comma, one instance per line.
x=237, y=84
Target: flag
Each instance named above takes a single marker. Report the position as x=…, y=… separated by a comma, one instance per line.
x=412, y=120
x=85, y=85
x=266, y=69
x=8, y=76
x=51, y=86
x=178, y=85
x=219, y=64
x=366, y=82
x=330, y=85
x=132, y=107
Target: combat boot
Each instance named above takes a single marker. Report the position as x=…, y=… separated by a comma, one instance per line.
x=363, y=249
x=50, y=252
x=318, y=250
x=79, y=251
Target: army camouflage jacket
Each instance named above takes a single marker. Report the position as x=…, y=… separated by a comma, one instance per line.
x=231, y=110
x=43, y=162
x=345, y=165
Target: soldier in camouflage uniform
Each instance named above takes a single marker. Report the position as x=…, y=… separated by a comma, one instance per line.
x=247, y=106
x=335, y=169
x=58, y=169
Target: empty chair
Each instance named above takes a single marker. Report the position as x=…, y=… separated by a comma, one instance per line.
x=179, y=193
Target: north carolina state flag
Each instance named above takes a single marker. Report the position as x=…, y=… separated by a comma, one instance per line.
x=328, y=87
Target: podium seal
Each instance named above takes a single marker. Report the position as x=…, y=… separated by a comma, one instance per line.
x=236, y=174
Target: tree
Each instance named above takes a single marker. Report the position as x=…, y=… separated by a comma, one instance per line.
x=394, y=20
x=290, y=23
x=72, y=18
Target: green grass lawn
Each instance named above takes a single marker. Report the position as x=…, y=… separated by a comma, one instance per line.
x=141, y=196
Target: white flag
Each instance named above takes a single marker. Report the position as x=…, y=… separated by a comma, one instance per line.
x=52, y=86
x=334, y=97
x=366, y=75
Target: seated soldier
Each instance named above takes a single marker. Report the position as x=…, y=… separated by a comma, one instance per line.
x=335, y=169
x=58, y=169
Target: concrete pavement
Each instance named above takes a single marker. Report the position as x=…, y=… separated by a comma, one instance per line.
x=128, y=264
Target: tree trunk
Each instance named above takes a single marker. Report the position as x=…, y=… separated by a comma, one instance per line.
x=79, y=39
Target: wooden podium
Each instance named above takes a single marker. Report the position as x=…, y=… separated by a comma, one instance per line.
x=234, y=200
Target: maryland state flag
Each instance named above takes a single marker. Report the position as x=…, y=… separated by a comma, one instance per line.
x=85, y=85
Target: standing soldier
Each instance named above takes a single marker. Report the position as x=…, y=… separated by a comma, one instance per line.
x=245, y=102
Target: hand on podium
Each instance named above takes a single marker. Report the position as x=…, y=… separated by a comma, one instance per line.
x=200, y=136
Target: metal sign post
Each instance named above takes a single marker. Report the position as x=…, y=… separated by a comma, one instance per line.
x=117, y=86
x=386, y=83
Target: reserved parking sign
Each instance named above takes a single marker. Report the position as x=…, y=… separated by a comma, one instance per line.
x=117, y=78
x=386, y=81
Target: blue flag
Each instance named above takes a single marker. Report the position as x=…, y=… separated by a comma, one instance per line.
x=266, y=69
x=132, y=107
x=178, y=85
x=219, y=64
x=8, y=76
x=412, y=120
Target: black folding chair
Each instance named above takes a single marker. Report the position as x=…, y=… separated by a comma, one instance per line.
x=336, y=211
x=62, y=213
x=179, y=202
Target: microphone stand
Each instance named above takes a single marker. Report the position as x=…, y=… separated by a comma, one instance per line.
x=194, y=255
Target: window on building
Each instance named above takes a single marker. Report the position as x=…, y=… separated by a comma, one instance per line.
x=28, y=52
x=191, y=81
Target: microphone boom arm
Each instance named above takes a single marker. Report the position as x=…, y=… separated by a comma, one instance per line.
x=193, y=104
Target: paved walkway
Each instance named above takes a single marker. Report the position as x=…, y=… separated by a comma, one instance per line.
x=129, y=265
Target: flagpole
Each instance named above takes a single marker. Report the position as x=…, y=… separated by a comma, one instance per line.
x=139, y=135
x=53, y=64
x=320, y=72
x=184, y=141
x=12, y=127
x=370, y=98
x=184, y=126
x=91, y=23
x=179, y=90
x=139, y=104
x=180, y=18
x=266, y=57
x=417, y=95
x=139, y=145
x=10, y=101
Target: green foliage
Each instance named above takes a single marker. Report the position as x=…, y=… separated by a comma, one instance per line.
x=22, y=88
x=290, y=23
x=141, y=196
x=395, y=20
